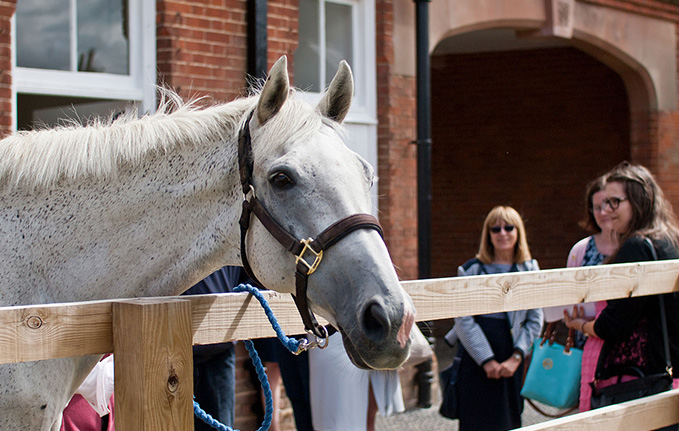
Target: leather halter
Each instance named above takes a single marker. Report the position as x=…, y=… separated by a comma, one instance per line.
x=303, y=249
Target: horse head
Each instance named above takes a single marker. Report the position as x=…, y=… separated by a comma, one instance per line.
x=307, y=179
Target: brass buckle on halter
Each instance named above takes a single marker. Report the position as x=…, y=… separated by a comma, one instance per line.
x=312, y=340
x=317, y=259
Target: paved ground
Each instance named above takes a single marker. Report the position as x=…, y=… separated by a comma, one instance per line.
x=430, y=420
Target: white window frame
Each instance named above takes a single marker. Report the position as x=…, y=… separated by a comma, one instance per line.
x=139, y=85
x=364, y=105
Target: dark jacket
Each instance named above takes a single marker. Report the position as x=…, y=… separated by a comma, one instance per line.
x=631, y=328
x=220, y=281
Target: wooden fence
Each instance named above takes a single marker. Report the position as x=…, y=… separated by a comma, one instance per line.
x=152, y=337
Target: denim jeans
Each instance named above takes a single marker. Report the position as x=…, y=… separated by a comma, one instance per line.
x=214, y=388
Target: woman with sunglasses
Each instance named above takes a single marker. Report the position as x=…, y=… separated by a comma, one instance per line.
x=631, y=328
x=492, y=346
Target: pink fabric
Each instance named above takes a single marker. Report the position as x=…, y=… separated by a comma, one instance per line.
x=80, y=416
x=590, y=357
x=577, y=253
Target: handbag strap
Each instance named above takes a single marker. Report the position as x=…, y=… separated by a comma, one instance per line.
x=663, y=318
x=551, y=415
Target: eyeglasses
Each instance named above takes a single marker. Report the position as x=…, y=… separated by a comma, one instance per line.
x=507, y=228
x=613, y=203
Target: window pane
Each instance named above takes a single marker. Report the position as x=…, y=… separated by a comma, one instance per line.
x=43, y=34
x=307, y=55
x=103, y=43
x=38, y=110
x=338, y=37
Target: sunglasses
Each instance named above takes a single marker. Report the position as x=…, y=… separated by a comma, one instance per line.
x=497, y=229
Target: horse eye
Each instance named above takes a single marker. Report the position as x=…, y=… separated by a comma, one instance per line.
x=281, y=180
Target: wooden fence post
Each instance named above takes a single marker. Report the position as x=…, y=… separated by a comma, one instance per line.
x=152, y=341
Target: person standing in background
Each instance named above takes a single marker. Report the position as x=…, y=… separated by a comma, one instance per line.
x=214, y=365
x=593, y=250
x=492, y=346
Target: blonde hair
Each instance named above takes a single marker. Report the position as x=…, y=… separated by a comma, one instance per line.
x=510, y=216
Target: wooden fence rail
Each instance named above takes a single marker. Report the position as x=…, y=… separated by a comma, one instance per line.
x=152, y=337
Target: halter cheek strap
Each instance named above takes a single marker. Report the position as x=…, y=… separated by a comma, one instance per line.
x=308, y=252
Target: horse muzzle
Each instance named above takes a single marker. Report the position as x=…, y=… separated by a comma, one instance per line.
x=381, y=340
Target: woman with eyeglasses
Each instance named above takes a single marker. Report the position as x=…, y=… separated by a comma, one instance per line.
x=631, y=328
x=492, y=346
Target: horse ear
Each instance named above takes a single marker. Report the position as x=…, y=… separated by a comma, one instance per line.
x=275, y=91
x=336, y=101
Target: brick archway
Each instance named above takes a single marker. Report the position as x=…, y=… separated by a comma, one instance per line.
x=526, y=128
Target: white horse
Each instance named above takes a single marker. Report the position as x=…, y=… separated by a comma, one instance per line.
x=150, y=206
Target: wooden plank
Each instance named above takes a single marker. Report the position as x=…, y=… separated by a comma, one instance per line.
x=648, y=413
x=29, y=333
x=228, y=317
x=462, y=296
x=85, y=328
x=153, y=364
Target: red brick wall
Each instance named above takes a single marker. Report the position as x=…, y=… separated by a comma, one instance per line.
x=667, y=166
x=396, y=155
x=202, y=46
x=523, y=128
x=668, y=149
x=283, y=31
x=7, y=8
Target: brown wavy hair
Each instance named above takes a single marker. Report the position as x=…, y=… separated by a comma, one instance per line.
x=652, y=214
x=589, y=223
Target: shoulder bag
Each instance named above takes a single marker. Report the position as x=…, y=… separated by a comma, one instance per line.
x=553, y=376
x=448, y=382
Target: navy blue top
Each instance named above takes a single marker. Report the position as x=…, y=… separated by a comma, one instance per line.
x=221, y=281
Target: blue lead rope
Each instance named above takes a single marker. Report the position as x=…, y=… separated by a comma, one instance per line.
x=291, y=344
x=261, y=374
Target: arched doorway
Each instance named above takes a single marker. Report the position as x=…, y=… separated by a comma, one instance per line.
x=521, y=123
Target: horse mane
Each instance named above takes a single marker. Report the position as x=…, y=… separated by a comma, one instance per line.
x=39, y=158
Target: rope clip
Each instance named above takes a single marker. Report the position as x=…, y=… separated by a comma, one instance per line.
x=312, y=340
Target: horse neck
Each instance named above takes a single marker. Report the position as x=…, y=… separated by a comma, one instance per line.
x=193, y=215
x=153, y=229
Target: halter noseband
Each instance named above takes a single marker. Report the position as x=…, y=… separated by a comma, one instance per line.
x=303, y=249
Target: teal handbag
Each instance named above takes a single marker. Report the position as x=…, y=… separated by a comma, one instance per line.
x=553, y=376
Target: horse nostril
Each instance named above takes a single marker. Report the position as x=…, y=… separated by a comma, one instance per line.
x=376, y=322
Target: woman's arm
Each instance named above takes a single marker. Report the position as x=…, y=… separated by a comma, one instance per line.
x=530, y=329
x=621, y=316
x=469, y=333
